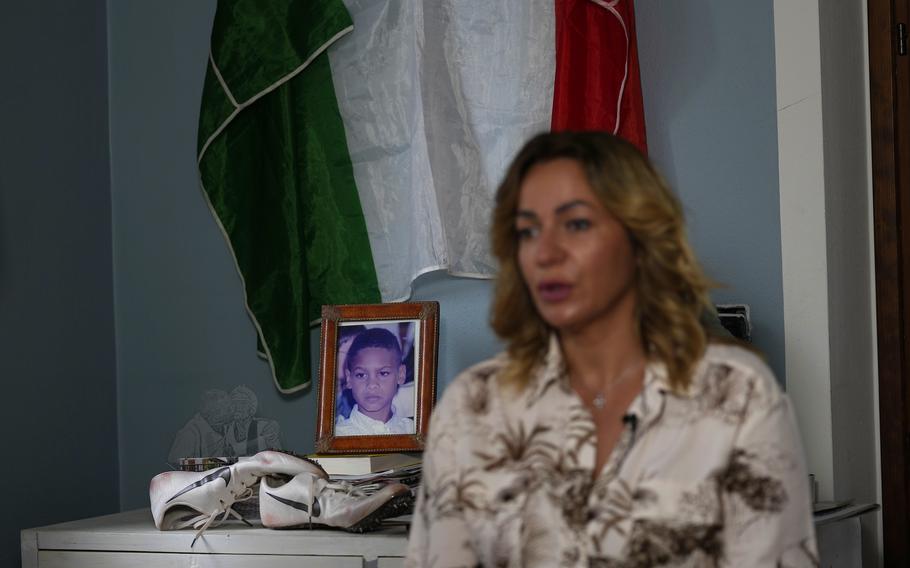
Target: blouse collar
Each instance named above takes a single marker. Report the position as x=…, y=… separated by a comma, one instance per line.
x=646, y=406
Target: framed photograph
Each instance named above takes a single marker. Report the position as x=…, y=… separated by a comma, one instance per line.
x=377, y=377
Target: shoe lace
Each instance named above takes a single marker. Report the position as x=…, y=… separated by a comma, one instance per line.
x=203, y=522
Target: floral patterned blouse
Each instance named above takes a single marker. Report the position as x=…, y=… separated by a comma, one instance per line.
x=711, y=477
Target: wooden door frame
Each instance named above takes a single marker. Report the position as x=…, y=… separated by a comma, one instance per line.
x=889, y=149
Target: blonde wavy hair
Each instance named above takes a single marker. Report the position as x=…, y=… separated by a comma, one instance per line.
x=672, y=289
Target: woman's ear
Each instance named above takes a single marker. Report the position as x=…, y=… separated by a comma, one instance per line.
x=402, y=374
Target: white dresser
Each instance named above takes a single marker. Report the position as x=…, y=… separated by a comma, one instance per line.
x=130, y=539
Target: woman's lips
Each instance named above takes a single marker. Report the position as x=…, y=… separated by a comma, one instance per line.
x=553, y=291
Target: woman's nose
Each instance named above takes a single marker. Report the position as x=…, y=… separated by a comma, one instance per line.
x=549, y=248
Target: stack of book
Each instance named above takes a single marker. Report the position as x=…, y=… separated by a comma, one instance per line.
x=368, y=472
x=202, y=464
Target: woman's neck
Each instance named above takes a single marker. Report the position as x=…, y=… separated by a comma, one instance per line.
x=602, y=350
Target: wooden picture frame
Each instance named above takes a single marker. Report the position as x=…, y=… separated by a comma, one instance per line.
x=405, y=395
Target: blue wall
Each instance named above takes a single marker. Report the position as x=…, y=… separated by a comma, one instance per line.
x=57, y=361
x=708, y=77
x=709, y=88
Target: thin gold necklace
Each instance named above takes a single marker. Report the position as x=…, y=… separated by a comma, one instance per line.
x=600, y=400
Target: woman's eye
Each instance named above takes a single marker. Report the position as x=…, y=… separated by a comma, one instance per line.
x=578, y=224
x=384, y=374
x=524, y=233
x=360, y=376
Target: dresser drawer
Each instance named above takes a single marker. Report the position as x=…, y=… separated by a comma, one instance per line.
x=76, y=559
x=130, y=540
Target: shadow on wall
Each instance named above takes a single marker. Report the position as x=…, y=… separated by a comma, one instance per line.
x=225, y=425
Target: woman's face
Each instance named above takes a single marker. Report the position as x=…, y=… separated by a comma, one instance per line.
x=575, y=257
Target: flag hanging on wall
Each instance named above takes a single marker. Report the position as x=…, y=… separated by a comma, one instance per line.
x=348, y=147
x=597, y=77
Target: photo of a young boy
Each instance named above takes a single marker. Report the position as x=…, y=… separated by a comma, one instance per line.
x=374, y=372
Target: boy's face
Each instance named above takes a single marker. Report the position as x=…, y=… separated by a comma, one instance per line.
x=373, y=376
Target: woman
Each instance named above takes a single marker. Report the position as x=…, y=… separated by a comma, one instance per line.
x=615, y=431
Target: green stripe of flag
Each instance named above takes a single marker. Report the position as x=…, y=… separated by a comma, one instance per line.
x=275, y=167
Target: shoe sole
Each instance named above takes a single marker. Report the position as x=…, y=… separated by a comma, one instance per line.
x=398, y=505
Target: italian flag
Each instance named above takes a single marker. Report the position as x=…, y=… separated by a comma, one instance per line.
x=347, y=147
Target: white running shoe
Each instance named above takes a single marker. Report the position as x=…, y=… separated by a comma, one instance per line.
x=181, y=499
x=310, y=500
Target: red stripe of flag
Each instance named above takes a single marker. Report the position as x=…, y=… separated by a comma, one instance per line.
x=591, y=55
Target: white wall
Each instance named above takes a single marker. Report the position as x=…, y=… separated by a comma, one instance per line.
x=848, y=212
x=825, y=184
x=803, y=231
